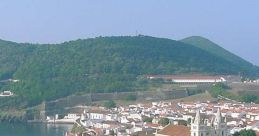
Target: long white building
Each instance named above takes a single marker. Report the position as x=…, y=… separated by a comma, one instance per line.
x=6, y=94
x=189, y=79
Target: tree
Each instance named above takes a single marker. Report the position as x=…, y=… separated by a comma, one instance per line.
x=103, y=64
x=249, y=98
x=109, y=104
x=218, y=89
x=131, y=97
x=245, y=132
x=182, y=122
x=147, y=119
x=111, y=133
x=77, y=129
x=189, y=121
x=164, y=121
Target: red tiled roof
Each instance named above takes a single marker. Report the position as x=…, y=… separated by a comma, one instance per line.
x=176, y=130
x=98, y=130
x=151, y=125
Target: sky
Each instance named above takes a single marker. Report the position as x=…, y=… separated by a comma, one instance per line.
x=233, y=24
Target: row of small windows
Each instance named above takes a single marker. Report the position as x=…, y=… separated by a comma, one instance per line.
x=95, y=116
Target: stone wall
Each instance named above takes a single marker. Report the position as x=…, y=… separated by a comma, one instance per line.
x=71, y=101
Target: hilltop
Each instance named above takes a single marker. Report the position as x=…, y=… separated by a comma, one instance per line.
x=213, y=48
x=107, y=64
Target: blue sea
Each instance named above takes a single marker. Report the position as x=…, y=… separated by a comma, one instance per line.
x=27, y=129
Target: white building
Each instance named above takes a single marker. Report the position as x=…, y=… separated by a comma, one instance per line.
x=71, y=116
x=95, y=117
x=189, y=79
x=6, y=94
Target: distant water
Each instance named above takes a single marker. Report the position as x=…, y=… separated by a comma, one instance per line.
x=33, y=129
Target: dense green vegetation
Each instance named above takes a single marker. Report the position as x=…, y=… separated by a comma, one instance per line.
x=12, y=116
x=131, y=97
x=220, y=89
x=147, y=119
x=183, y=122
x=245, y=133
x=223, y=90
x=103, y=64
x=109, y=104
x=213, y=48
x=77, y=129
x=12, y=56
x=250, y=98
x=163, y=121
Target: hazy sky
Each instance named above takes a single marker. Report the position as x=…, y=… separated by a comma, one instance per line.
x=233, y=24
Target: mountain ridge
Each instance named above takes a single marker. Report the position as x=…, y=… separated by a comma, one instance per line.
x=208, y=45
x=103, y=64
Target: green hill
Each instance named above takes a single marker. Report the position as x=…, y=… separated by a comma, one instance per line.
x=216, y=50
x=103, y=64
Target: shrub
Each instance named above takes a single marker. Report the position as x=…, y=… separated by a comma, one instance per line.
x=164, y=121
x=109, y=104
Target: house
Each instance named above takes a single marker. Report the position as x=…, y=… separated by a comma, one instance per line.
x=135, y=128
x=123, y=119
x=95, y=117
x=135, y=116
x=71, y=116
x=13, y=80
x=151, y=125
x=6, y=93
x=101, y=114
x=174, y=130
x=109, y=126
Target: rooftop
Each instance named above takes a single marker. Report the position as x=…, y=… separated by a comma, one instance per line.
x=176, y=130
x=184, y=77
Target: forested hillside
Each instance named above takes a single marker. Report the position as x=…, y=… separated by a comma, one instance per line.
x=12, y=55
x=103, y=64
x=216, y=50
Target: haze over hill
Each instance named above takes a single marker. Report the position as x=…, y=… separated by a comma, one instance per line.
x=216, y=50
x=108, y=64
x=56, y=21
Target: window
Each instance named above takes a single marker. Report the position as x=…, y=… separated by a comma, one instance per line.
x=222, y=133
x=201, y=134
